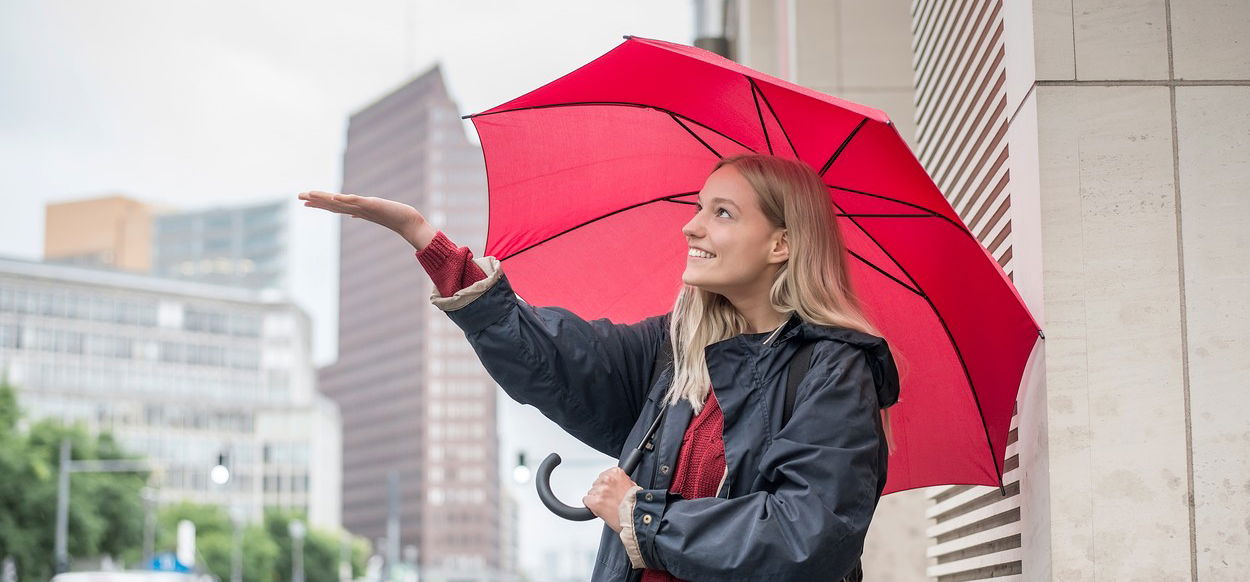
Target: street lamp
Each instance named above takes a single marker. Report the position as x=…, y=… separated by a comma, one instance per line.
x=67, y=466
x=296, y=529
x=220, y=473
x=521, y=473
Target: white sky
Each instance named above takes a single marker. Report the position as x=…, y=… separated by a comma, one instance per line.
x=193, y=104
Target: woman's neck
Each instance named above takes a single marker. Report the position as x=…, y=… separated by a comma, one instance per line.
x=761, y=317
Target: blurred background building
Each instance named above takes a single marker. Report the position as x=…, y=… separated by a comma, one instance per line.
x=241, y=245
x=415, y=400
x=109, y=231
x=185, y=374
x=1096, y=149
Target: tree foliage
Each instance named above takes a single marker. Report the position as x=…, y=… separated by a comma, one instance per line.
x=106, y=513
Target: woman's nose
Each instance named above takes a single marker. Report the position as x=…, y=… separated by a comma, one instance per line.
x=692, y=227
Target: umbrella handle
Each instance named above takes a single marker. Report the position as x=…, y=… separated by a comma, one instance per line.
x=543, y=482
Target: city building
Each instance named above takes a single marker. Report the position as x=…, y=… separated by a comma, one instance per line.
x=185, y=374
x=244, y=246
x=110, y=231
x=1098, y=151
x=255, y=246
x=414, y=398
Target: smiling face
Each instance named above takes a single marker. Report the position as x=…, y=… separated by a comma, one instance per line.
x=746, y=249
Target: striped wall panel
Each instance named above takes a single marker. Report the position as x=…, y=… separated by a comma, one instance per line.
x=961, y=128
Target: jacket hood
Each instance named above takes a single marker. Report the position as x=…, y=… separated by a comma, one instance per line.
x=884, y=369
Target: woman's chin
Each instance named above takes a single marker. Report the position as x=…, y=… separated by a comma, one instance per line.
x=695, y=281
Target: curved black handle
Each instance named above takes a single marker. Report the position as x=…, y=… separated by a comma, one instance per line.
x=543, y=482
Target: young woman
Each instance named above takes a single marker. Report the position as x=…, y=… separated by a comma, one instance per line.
x=726, y=491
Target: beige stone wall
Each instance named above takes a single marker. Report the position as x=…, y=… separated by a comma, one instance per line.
x=1137, y=455
x=112, y=231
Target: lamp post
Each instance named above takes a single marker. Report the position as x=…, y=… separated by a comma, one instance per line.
x=221, y=475
x=67, y=466
x=149, y=523
x=296, y=529
x=236, y=551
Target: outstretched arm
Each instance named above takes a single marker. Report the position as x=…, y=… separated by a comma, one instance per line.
x=588, y=376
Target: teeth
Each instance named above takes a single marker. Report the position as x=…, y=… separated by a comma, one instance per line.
x=701, y=254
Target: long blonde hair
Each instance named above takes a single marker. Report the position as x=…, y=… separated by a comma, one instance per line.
x=815, y=281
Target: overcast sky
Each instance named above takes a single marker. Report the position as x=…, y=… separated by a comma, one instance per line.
x=193, y=104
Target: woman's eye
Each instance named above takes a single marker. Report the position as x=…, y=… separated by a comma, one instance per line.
x=699, y=208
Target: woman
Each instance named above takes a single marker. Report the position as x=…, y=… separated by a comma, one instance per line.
x=726, y=491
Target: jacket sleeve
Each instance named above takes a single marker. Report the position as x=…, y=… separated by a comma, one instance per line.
x=821, y=473
x=589, y=377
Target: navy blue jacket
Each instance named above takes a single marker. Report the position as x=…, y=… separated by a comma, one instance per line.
x=796, y=501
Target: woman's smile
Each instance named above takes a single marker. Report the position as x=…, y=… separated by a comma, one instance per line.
x=699, y=255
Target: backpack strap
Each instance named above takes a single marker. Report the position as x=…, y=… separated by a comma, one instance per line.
x=799, y=365
x=662, y=359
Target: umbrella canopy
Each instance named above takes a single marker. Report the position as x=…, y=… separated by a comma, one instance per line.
x=592, y=176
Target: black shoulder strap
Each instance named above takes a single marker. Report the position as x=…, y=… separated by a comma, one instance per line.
x=798, y=368
x=662, y=360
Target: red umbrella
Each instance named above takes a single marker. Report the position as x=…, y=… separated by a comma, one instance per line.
x=592, y=177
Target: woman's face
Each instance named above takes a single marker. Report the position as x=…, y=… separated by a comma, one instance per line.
x=729, y=224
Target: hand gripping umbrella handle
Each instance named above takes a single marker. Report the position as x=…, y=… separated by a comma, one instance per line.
x=543, y=483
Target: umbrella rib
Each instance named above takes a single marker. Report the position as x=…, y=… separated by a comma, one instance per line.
x=612, y=104
x=958, y=226
x=882, y=271
x=755, y=96
x=695, y=135
x=949, y=336
x=845, y=142
x=777, y=119
x=881, y=215
x=666, y=198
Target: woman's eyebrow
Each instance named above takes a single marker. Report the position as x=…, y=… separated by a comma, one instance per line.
x=719, y=199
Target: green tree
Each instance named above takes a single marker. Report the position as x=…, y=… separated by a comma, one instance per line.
x=105, y=514
x=266, y=546
x=214, y=540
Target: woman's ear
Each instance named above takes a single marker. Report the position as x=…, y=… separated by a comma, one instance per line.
x=781, y=248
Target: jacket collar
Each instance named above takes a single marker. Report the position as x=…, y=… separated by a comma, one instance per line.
x=877, y=350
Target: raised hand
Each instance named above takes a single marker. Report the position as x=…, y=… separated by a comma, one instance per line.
x=397, y=216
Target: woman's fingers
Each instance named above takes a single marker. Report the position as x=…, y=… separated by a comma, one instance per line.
x=340, y=203
x=316, y=195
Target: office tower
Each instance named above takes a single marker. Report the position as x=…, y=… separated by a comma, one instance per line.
x=111, y=231
x=181, y=373
x=414, y=398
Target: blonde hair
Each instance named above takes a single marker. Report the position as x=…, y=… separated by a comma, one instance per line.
x=814, y=282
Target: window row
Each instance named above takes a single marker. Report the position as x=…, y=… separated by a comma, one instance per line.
x=77, y=305
x=456, y=409
x=73, y=342
x=460, y=495
x=123, y=380
x=460, y=431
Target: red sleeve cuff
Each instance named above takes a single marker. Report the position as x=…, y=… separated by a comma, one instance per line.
x=450, y=267
x=435, y=254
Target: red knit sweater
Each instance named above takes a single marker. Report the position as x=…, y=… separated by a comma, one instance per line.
x=701, y=460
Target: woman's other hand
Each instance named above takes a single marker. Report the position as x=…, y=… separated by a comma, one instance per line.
x=397, y=216
x=605, y=496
